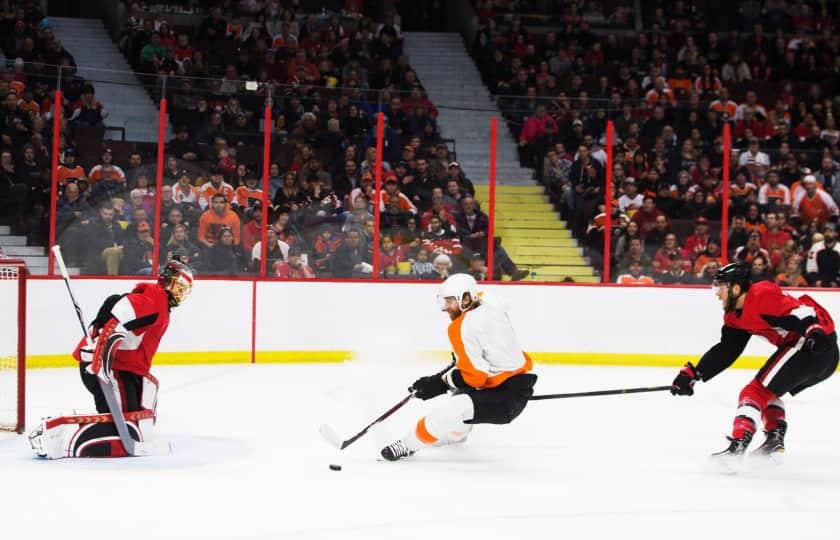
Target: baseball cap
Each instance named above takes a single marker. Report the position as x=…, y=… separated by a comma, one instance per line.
x=701, y=220
x=454, y=164
x=577, y=122
x=69, y=152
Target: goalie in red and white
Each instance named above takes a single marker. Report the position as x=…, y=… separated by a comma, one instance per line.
x=124, y=339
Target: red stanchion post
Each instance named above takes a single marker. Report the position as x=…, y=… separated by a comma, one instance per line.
x=724, y=221
x=491, y=205
x=380, y=120
x=54, y=189
x=266, y=165
x=159, y=183
x=608, y=203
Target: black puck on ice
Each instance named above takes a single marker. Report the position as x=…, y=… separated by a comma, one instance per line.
x=334, y=467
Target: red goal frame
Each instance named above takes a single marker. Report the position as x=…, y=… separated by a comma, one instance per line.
x=21, y=339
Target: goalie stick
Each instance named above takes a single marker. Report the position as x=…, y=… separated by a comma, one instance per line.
x=132, y=447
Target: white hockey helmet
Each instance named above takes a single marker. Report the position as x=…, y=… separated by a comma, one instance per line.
x=456, y=286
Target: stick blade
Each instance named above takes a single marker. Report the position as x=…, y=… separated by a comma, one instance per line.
x=331, y=436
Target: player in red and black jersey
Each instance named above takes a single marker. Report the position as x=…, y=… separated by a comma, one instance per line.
x=807, y=354
x=132, y=326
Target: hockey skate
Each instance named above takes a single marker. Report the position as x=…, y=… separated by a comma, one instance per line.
x=730, y=459
x=774, y=444
x=397, y=451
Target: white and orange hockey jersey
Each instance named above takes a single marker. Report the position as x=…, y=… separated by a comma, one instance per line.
x=486, y=347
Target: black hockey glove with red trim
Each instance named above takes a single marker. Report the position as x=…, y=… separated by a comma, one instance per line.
x=683, y=384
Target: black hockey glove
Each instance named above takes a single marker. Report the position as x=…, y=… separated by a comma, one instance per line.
x=683, y=384
x=816, y=341
x=428, y=387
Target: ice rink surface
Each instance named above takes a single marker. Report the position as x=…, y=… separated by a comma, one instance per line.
x=248, y=462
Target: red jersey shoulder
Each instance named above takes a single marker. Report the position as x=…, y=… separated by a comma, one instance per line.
x=147, y=303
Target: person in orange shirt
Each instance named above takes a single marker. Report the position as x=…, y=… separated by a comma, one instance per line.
x=216, y=185
x=95, y=174
x=68, y=169
x=248, y=195
x=792, y=276
x=212, y=221
x=635, y=276
x=723, y=105
x=813, y=203
x=490, y=379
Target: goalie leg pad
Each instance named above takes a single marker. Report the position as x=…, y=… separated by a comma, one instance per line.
x=86, y=435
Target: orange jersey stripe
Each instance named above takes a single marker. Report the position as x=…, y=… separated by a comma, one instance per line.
x=473, y=376
x=423, y=434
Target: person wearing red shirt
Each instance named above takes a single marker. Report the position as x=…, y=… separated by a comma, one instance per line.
x=803, y=333
x=124, y=338
x=773, y=238
x=699, y=241
x=294, y=268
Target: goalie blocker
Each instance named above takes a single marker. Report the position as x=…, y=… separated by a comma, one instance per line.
x=125, y=336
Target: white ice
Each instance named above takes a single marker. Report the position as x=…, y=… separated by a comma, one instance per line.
x=248, y=463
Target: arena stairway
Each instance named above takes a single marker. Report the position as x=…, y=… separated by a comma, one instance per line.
x=117, y=88
x=454, y=85
x=14, y=247
x=534, y=235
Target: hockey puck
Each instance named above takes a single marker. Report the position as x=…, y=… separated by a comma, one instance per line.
x=334, y=467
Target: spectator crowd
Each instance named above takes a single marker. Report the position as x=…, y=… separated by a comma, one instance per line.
x=770, y=70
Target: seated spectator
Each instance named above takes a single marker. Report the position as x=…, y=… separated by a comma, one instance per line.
x=224, y=256
x=214, y=219
x=392, y=191
x=179, y=243
x=635, y=254
x=454, y=172
x=352, y=258
x=390, y=254
x=138, y=251
x=440, y=239
x=87, y=111
x=216, y=185
x=69, y=169
x=478, y=267
x=472, y=225
x=759, y=269
x=699, y=241
x=182, y=147
x=631, y=200
x=634, y=275
x=773, y=193
x=97, y=172
x=422, y=267
x=663, y=255
x=823, y=263
x=441, y=267
x=325, y=246
x=109, y=187
x=657, y=230
x=277, y=251
x=707, y=273
x=792, y=276
x=294, y=268
x=252, y=230
x=104, y=238
x=437, y=210
x=712, y=254
x=752, y=249
x=675, y=273
x=72, y=215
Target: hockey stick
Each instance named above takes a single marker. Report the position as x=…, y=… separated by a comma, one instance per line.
x=132, y=447
x=332, y=437
x=601, y=393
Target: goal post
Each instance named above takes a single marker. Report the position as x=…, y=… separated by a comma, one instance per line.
x=12, y=344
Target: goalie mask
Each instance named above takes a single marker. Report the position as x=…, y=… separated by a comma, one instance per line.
x=176, y=279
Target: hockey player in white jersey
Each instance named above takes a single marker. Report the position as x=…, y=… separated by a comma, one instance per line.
x=491, y=380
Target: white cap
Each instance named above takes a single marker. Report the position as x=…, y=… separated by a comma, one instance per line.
x=809, y=178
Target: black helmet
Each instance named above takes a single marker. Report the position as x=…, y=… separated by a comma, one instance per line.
x=732, y=273
x=176, y=278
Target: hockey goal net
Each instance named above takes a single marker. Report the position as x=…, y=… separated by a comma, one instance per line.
x=12, y=344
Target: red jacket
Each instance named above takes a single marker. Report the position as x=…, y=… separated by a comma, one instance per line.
x=145, y=314
x=535, y=127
